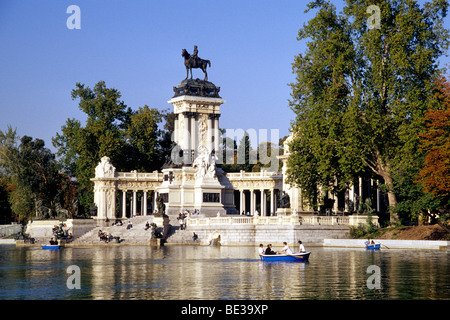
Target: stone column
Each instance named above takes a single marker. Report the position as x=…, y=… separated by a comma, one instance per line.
x=144, y=200
x=175, y=129
x=262, y=211
x=210, y=133
x=241, y=201
x=111, y=204
x=216, y=132
x=131, y=205
x=155, y=195
x=264, y=203
x=186, y=139
x=272, y=202
x=101, y=205
x=133, y=213
x=275, y=197
x=194, y=135
x=252, y=202
x=124, y=204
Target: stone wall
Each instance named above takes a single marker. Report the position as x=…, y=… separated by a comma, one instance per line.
x=388, y=244
x=8, y=229
x=255, y=234
x=41, y=230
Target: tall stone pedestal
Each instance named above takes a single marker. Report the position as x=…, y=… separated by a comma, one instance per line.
x=182, y=190
x=191, y=178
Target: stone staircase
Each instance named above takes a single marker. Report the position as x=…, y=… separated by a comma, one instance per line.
x=135, y=235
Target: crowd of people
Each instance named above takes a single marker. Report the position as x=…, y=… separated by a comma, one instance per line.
x=58, y=232
x=183, y=215
x=105, y=237
x=284, y=250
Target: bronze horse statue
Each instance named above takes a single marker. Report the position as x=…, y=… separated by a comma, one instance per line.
x=194, y=62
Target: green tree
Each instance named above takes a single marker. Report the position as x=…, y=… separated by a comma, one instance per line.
x=246, y=158
x=360, y=93
x=80, y=148
x=131, y=139
x=32, y=172
x=142, y=138
x=243, y=156
x=6, y=188
x=267, y=157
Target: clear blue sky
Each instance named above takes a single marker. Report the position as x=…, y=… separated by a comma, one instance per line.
x=135, y=47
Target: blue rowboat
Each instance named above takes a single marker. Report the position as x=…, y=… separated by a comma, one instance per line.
x=295, y=257
x=373, y=246
x=50, y=246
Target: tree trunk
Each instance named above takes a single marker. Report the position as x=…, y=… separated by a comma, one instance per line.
x=383, y=169
x=392, y=198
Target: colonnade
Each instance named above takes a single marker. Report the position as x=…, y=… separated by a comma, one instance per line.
x=191, y=129
x=133, y=208
x=264, y=197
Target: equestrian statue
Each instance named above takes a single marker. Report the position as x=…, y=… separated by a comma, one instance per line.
x=194, y=62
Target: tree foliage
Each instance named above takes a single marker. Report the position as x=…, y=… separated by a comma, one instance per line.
x=131, y=139
x=360, y=94
x=435, y=142
x=32, y=173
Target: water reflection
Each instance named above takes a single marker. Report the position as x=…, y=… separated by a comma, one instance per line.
x=184, y=272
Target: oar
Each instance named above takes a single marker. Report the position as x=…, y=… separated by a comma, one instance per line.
x=384, y=245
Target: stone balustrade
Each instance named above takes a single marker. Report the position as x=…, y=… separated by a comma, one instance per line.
x=337, y=220
x=155, y=175
x=282, y=220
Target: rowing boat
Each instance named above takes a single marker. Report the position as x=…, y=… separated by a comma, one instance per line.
x=375, y=246
x=50, y=246
x=294, y=257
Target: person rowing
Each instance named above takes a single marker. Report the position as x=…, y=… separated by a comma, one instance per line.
x=285, y=249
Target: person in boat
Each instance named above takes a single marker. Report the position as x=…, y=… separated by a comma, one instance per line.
x=261, y=249
x=269, y=249
x=285, y=249
x=53, y=242
x=301, y=247
x=369, y=242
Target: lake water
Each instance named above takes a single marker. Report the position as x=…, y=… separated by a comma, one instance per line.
x=201, y=272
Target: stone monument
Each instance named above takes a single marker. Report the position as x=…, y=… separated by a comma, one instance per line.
x=191, y=179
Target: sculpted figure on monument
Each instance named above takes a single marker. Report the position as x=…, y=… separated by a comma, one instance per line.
x=205, y=163
x=285, y=201
x=194, y=62
x=161, y=207
x=105, y=169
